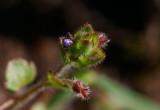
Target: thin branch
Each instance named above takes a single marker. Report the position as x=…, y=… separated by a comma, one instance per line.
x=67, y=80
x=19, y=102
x=7, y=104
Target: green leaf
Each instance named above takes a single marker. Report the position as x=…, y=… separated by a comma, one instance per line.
x=117, y=94
x=85, y=29
x=60, y=100
x=65, y=57
x=19, y=73
x=94, y=39
x=80, y=63
x=83, y=47
x=123, y=96
x=96, y=56
x=56, y=82
x=39, y=106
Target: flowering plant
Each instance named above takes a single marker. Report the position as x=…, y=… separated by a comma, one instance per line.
x=82, y=49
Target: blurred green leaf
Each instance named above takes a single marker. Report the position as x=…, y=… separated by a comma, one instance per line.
x=115, y=96
x=59, y=100
x=120, y=95
x=19, y=73
x=124, y=97
x=39, y=106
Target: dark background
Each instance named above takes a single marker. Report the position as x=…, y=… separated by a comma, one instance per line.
x=30, y=29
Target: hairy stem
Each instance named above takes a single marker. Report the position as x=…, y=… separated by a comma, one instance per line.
x=33, y=91
x=28, y=95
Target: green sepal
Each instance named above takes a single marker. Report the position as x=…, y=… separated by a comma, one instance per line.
x=95, y=57
x=65, y=57
x=86, y=37
x=83, y=47
x=80, y=63
x=85, y=29
x=56, y=82
x=94, y=39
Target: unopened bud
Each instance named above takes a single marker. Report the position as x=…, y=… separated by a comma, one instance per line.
x=81, y=89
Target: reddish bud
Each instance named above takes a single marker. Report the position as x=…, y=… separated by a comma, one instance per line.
x=102, y=40
x=81, y=89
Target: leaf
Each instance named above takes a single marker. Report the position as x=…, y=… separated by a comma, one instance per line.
x=94, y=39
x=95, y=57
x=85, y=29
x=116, y=93
x=83, y=47
x=123, y=96
x=19, y=73
x=65, y=57
x=39, y=106
x=60, y=100
x=55, y=82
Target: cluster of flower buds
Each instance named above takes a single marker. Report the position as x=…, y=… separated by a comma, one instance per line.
x=81, y=89
x=84, y=48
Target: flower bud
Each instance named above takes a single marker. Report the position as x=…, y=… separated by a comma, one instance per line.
x=67, y=43
x=81, y=89
x=84, y=48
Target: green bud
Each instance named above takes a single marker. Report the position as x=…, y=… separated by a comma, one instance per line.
x=84, y=48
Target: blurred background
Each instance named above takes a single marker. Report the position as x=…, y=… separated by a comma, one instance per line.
x=30, y=29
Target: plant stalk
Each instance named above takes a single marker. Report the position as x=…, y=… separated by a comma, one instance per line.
x=18, y=102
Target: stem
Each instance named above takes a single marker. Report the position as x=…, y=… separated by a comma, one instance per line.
x=18, y=102
x=67, y=80
x=6, y=104
x=31, y=93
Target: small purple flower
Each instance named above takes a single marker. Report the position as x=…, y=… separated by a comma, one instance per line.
x=67, y=43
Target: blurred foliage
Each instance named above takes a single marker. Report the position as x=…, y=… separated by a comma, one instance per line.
x=113, y=96
x=19, y=74
x=39, y=106
x=60, y=99
x=133, y=58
